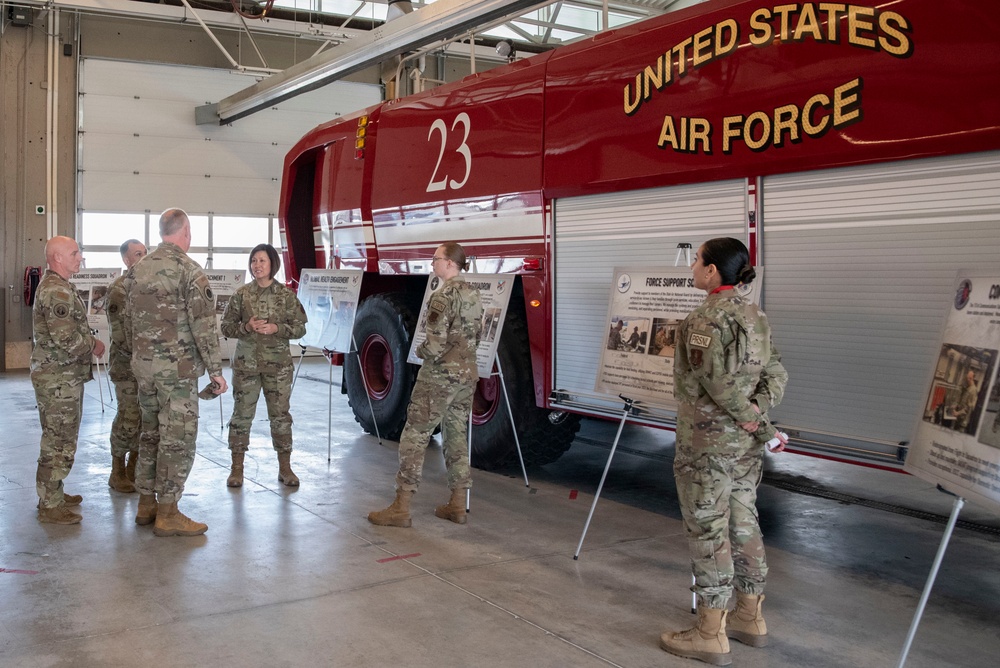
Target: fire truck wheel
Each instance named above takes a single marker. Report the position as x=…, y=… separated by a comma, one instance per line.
x=542, y=441
x=383, y=328
x=549, y=438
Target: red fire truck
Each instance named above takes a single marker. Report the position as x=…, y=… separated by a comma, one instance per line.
x=854, y=147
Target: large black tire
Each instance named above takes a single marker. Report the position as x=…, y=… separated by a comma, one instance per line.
x=542, y=441
x=383, y=329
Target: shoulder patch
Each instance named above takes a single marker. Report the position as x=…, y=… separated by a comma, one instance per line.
x=60, y=310
x=695, y=357
x=700, y=340
x=113, y=309
x=201, y=282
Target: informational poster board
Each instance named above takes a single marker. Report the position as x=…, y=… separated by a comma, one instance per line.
x=92, y=286
x=330, y=299
x=957, y=442
x=646, y=307
x=494, y=291
x=225, y=283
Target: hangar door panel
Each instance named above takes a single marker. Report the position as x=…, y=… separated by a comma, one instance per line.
x=596, y=233
x=140, y=148
x=860, y=264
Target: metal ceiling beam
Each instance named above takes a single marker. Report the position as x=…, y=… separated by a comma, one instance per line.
x=128, y=9
x=442, y=20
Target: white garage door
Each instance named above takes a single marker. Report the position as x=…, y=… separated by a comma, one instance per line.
x=140, y=149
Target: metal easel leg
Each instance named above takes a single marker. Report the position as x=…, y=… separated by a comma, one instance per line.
x=100, y=387
x=298, y=368
x=107, y=378
x=468, y=492
x=959, y=502
x=597, y=495
x=329, y=414
x=222, y=418
x=510, y=413
x=364, y=381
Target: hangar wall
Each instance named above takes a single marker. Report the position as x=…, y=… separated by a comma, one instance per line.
x=26, y=97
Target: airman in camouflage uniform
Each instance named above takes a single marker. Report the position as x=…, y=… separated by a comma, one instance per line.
x=263, y=315
x=125, y=428
x=170, y=328
x=60, y=365
x=727, y=375
x=966, y=403
x=443, y=392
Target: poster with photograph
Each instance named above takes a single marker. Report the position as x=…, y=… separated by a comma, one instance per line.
x=92, y=286
x=494, y=292
x=646, y=307
x=224, y=284
x=330, y=299
x=957, y=443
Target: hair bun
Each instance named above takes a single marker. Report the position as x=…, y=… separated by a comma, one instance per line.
x=747, y=274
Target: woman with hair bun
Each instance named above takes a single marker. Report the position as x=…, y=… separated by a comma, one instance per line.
x=443, y=392
x=727, y=375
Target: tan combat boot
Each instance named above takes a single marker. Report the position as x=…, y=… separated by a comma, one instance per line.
x=118, y=480
x=235, y=478
x=746, y=624
x=58, y=515
x=397, y=514
x=146, y=512
x=172, y=522
x=706, y=642
x=454, y=510
x=285, y=474
x=133, y=457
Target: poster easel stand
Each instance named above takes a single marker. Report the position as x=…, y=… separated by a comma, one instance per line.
x=513, y=427
x=107, y=378
x=956, y=508
x=222, y=419
x=683, y=252
x=629, y=405
x=684, y=249
x=100, y=387
x=329, y=424
x=298, y=367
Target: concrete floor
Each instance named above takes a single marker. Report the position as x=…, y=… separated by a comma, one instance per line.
x=298, y=577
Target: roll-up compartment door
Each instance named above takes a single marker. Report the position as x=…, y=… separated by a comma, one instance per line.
x=860, y=263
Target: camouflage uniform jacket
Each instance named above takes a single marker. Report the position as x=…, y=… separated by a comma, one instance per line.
x=120, y=357
x=276, y=304
x=170, y=317
x=966, y=403
x=454, y=325
x=63, y=343
x=724, y=363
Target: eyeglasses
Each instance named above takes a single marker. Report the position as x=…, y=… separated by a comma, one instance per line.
x=438, y=259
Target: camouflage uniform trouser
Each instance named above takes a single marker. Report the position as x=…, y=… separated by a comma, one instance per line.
x=277, y=386
x=167, y=441
x=60, y=406
x=718, y=493
x=432, y=404
x=125, y=428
